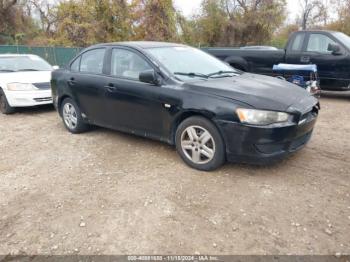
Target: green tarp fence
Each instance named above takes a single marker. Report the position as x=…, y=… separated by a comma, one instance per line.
x=54, y=55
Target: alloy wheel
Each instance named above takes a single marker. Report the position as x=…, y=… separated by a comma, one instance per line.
x=70, y=116
x=197, y=144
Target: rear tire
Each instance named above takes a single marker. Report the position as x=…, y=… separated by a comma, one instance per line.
x=71, y=116
x=200, y=144
x=5, y=108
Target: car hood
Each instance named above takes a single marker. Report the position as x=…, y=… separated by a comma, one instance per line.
x=25, y=77
x=262, y=92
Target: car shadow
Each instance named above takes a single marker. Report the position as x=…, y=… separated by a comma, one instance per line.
x=336, y=94
x=35, y=109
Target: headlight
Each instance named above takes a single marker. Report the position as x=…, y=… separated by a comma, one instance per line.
x=261, y=117
x=20, y=87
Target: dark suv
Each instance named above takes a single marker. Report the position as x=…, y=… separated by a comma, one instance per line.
x=184, y=97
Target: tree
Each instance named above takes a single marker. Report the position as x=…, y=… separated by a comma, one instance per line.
x=313, y=13
x=14, y=21
x=155, y=20
x=86, y=22
x=342, y=23
x=212, y=22
x=240, y=22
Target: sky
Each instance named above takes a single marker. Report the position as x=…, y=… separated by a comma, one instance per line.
x=188, y=7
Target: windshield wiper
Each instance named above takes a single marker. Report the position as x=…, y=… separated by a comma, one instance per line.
x=222, y=73
x=6, y=70
x=191, y=74
x=28, y=69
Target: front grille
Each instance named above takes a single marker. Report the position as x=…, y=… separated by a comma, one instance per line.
x=43, y=99
x=42, y=86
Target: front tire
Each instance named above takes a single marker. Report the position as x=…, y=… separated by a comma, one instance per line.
x=5, y=108
x=71, y=116
x=200, y=144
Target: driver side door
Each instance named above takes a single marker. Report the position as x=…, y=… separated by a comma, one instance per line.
x=332, y=68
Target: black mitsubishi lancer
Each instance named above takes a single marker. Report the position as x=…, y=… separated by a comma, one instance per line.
x=185, y=97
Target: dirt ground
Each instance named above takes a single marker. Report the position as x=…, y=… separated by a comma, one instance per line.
x=104, y=192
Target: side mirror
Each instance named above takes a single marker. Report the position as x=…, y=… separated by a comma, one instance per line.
x=55, y=67
x=149, y=76
x=335, y=49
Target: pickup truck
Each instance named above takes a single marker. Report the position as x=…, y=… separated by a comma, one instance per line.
x=329, y=50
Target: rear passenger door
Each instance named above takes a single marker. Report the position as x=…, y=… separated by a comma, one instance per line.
x=331, y=68
x=87, y=82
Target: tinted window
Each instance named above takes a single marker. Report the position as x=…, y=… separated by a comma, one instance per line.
x=92, y=61
x=319, y=43
x=298, y=42
x=75, y=65
x=127, y=64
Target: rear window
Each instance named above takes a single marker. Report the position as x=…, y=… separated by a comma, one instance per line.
x=298, y=41
x=92, y=61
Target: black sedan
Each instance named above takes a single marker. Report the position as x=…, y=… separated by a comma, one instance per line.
x=180, y=95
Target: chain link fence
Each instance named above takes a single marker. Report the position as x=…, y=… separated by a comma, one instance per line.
x=54, y=55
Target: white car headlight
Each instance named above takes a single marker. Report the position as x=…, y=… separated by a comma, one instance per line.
x=20, y=87
x=261, y=117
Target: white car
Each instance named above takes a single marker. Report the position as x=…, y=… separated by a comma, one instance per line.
x=24, y=82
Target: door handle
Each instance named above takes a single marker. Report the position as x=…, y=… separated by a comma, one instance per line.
x=305, y=59
x=71, y=81
x=110, y=88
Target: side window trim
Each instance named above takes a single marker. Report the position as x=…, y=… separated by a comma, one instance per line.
x=103, y=73
x=141, y=55
x=71, y=64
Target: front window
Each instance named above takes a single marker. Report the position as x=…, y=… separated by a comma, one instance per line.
x=319, y=43
x=127, y=64
x=343, y=38
x=23, y=63
x=188, y=60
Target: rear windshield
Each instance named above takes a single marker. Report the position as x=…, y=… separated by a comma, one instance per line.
x=23, y=63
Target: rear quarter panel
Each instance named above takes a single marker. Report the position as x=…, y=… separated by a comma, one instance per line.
x=59, y=86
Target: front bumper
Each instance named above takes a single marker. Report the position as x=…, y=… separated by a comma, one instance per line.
x=264, y=145
x=29, y=98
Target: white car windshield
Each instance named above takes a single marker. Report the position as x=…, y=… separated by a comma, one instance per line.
x=187, y=62
x=23, y=63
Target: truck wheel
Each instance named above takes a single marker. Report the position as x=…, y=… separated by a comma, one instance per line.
x=5, y=108
x=200, y=144
x=72, y=118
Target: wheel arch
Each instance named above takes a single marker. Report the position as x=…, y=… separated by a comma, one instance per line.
x=238, y=63
x=187, y=114
x=59, y=103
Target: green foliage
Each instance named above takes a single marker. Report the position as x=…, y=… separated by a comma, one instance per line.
x=219, y=22
x=15, y=24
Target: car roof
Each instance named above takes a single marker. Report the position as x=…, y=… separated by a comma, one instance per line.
x=140, y=44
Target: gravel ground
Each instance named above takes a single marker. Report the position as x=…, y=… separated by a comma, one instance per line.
x=104, y=192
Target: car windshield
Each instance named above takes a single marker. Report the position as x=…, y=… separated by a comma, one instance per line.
x=23, y=63
x=345, y=39
x=188, y=63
